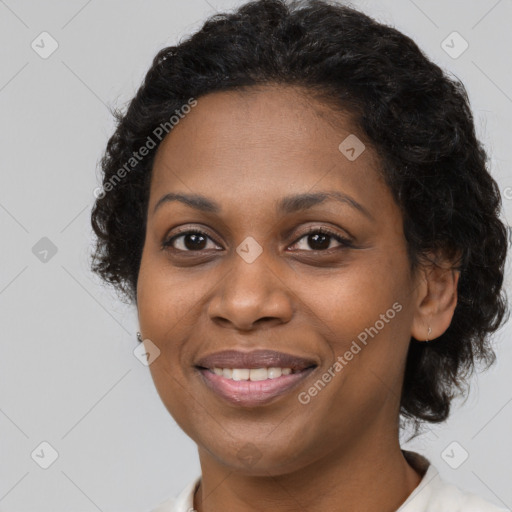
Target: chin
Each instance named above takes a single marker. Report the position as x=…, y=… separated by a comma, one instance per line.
x=256, y=457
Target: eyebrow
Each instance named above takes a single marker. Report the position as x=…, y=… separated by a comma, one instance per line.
x=286, y=205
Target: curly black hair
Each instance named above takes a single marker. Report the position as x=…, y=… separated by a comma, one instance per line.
x=416, y=117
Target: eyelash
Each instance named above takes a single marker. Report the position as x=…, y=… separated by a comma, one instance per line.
x=344, y=242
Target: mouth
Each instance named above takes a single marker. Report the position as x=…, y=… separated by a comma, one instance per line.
x=249, y=379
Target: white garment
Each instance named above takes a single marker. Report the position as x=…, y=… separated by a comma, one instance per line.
x=432, y=494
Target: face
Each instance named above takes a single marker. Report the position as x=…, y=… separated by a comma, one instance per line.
x=293, y=248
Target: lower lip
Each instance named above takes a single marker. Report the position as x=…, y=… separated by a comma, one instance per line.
x=247, y=393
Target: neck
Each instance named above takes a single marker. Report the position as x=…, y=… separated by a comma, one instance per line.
x=370, y=476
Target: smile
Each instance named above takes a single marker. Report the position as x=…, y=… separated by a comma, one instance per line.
x=252, y=392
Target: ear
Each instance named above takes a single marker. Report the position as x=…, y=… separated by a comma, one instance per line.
x=436, y=299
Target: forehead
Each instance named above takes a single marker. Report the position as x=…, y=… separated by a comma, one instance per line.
x=263, y=141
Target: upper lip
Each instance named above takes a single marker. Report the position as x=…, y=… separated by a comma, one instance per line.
x=255, y=359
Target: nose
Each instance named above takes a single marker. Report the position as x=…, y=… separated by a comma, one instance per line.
x=251, y=294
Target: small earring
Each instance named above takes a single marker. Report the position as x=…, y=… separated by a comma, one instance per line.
x=139, y=336
x=428, y=333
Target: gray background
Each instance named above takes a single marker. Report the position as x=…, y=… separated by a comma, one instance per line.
x=68, y=375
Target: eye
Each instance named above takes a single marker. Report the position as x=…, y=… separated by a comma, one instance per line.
x=320, y=239
x=189, y=241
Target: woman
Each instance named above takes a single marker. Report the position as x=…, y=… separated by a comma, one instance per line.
x=297, y=204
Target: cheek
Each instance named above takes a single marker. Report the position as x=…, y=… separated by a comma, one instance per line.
x=355, y=297
x=185, y=407
x=163, y=309
x=168, y=300
x=365, y=316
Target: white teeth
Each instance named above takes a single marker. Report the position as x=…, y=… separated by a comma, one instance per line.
x=252, y=374
x=273, y=373
x=258, y=374
x=241, y=374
